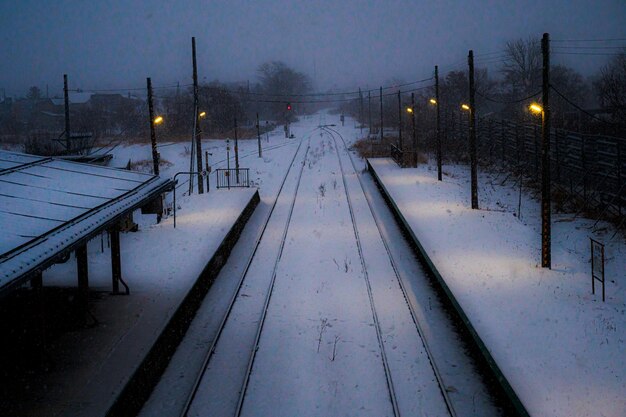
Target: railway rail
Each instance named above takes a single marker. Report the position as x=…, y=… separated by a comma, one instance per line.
x=191, y=408
x=212, y=347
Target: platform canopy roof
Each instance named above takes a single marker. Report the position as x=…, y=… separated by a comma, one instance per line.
x=49, y=206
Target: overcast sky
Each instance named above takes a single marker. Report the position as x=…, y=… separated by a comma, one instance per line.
x=117, y=44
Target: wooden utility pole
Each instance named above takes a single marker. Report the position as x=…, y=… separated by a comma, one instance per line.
x=361, y=109
x=472, y=131
x=155, y=154
x=196, y=111
x=414, y=130
x=437, y=105
x=369, y=110
x=546, y=232
x=258, y=135
x=68, y=145
x=381, y=115
x=400, y=125
x=236, y=152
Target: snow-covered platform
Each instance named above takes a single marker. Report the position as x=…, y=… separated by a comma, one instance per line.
x=114, y=365
x=560, y=348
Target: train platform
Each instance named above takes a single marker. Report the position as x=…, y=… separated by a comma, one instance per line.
x=168, y=271
x=557, y=348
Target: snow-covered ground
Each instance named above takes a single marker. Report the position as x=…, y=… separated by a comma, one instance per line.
x=319, y=352
x=561, y=348
x=159, y=263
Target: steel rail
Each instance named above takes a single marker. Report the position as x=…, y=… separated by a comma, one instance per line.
x=251, y=153
x=211, y=350
x=400, y=280
x=268, y=297
x=381, y=343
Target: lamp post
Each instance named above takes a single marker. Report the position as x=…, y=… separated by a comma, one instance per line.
x=473, y=162
x=411, y=111
x=434, y=102
x=546, y=232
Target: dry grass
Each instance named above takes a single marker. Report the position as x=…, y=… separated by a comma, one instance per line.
x=145, y=165
x=367, y=148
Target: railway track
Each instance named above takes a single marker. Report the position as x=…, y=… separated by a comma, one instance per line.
x=196, y=403
x=216, y=340
x=440, y=383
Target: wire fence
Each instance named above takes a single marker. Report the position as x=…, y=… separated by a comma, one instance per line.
x=588, y=171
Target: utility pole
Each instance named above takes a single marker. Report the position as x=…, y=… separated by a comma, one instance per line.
x=68, y=145
x=472, y=131
x=196, y=112
x=369, y=110
x=155, y=155
x=437, y=105
x=361, y=109
x=381, y=115
x=400, y=124
x=258, y=135
x=546, y=232
x=413, y=125
x=236, y=152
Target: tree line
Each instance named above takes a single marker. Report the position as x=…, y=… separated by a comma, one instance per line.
x=114, y=114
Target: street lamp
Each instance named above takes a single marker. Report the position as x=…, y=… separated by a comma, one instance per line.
x=465, y=107
x=411, y=110
x=434, y=102
x=535, y=108
x=202, y=115
x=158, y=120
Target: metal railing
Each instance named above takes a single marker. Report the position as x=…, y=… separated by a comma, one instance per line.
x=397, y=155
x=233, y=177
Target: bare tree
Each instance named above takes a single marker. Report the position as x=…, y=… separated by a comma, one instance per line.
x=282, y=82
x=34, y=93
x=611, y=88
x=522, y=67
x=573, y=86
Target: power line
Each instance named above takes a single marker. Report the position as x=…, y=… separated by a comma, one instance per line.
x=508, y=101
x=571, y=103
x=589, y=40
x=589, y=53
x=590, y=47
x=243, y=92
x=338, y=99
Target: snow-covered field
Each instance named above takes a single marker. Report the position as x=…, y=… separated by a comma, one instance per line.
x=561, y=348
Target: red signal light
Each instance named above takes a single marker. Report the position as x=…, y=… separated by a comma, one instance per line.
x=288, y=106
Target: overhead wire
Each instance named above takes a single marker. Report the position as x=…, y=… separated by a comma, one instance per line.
x=256, y=93
x=589, y=53
x=589, y=40
x=507, y=101
x=576, y=106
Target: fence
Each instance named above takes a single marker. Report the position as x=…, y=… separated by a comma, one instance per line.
x=397, y=155
x=587, y=170
x=233, y=177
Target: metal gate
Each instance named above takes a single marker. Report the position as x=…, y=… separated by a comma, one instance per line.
x=227, y=178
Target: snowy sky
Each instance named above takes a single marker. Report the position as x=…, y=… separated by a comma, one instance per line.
x=341, y=43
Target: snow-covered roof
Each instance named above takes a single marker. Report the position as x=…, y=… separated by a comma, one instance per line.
x=74, y=98
x=48, y=206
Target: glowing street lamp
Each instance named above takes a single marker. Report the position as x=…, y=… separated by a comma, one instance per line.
x=465, y=107
x=202, y=115
x=535, y=108
x=433, y=101
x=409, y=109
x=158, y=120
